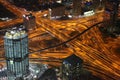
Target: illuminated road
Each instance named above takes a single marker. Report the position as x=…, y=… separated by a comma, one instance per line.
x=89, y=45
x=91, y=56
x=17, y=11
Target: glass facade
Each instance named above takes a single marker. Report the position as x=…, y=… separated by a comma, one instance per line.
x=16, y=53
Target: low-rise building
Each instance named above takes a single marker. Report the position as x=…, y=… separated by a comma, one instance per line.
x=71, y=67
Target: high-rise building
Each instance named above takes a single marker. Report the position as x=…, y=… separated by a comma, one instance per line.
x=29, y=21
x=16, y=53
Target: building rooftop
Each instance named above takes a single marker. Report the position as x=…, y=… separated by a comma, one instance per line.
x=73, y=60
x=15, y=33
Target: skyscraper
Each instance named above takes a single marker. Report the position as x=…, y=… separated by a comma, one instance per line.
x=16, y=53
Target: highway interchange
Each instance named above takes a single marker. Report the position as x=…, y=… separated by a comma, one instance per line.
x=87, y=42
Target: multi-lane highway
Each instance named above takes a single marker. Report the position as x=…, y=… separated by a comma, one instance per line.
x=92, y=56
x=79, y=36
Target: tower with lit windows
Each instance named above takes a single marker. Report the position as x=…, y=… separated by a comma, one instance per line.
x=16, y=53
